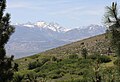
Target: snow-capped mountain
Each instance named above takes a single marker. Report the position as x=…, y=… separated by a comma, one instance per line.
x=43, y=25
x=31, y=38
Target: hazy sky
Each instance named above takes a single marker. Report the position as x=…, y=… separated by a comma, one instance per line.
x=67, y=13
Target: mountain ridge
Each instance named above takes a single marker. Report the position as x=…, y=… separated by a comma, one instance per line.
x=28, y=39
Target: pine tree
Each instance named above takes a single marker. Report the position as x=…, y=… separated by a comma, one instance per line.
x=112, y=21
x=84, y=52
x=7, y=67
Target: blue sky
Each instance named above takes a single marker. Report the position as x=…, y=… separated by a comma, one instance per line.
x=67, y=13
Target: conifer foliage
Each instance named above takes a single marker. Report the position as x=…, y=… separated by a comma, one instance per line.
x=7, y=67
x=112, y=21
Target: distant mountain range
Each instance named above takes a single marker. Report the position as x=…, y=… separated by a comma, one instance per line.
x=32, y=38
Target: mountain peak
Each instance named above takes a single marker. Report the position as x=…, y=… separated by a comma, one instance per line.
x=56, y=27
x=94, y=26
x=40, y=24
x=51, y=26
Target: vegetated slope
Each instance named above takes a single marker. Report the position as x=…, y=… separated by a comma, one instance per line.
x=65, y=62
x=92, y=44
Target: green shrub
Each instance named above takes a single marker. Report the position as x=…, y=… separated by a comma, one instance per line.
x=84, y=63
x=68, y=61
x=71, y=71
x=31, y=76
x=54, y=58
x=73, y=56
x=18, y=77
x=59, y=60
x=100, y=58
x=104, y=59
x=75, y=80
x=58, y=71
x=44, y=60
x=94, y=56
x=40, y=74
x=25, y=59
x=34, y=56
x=35, y=64
x=117, y=62
x=47, y=67
x=55, y=76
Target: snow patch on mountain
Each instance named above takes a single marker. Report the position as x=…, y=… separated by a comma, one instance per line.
x=27, y=25
x=51, y=26
x=41, y=24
